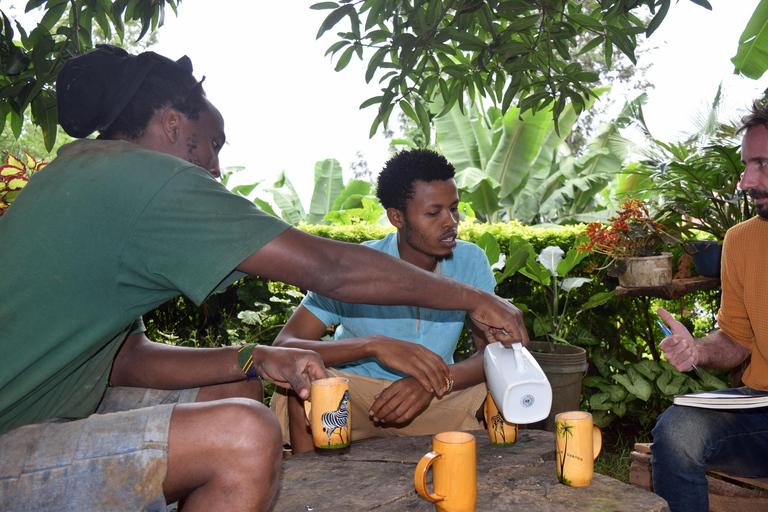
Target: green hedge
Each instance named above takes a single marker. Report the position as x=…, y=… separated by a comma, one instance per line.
x=627, y=379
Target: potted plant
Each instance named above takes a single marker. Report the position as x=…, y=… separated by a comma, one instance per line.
x=635, y=240
x=700, y=194
x=555, y=329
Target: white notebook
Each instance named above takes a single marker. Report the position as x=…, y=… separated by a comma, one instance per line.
x=718, y=400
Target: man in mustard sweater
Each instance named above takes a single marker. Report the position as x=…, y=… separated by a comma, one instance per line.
x=688, y=440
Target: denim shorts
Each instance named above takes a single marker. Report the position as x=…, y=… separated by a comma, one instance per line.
x=115, y=459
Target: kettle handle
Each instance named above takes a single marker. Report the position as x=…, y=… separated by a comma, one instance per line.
x=519, y=361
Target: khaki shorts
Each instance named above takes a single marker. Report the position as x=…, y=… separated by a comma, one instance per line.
x=115, y=459
x=454, y=411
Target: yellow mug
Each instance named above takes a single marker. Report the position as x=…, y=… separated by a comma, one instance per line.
x=500, y=432
x=454, y=472
x=328, y=413
x=578, y=444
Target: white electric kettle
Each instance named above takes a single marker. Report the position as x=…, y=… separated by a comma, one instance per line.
x=517, y=383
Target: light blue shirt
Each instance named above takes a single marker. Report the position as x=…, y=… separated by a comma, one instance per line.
x=437, y=330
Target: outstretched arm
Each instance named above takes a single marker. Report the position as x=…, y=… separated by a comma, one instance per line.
x=717, y=350
x=142, y=363
x=354, y=273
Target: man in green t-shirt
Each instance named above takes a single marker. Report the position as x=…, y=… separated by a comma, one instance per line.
x=111, y=229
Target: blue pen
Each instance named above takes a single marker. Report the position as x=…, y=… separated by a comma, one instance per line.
x=667, y=332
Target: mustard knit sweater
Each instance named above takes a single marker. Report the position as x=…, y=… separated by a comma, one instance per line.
x=743, y=311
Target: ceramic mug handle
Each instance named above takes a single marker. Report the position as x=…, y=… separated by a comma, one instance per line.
x=420, y=477
x=597, y=440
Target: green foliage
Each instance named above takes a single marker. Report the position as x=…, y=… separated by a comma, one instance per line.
x=628, y=382
x=332, y=202
x=699, y=190
x=558, y=323
x=328, y=186
x=30, y=61
x=252, y=310
x=517, y=165
x=515, y=51
x=751, y=58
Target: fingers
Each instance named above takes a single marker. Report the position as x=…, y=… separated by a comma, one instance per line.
x=680, y=355
x=680, y=349
x=290, y=367
x=664, y=315
x=309, y=369
x=431, y=372
x=504, y=322
x=673, y=324
x=427, y=367
x=680, y=352
x=400, y=402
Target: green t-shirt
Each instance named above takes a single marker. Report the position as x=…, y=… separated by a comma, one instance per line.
x=105, y=233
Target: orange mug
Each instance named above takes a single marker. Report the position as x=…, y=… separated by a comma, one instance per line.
x=454, y=472
x=500, y=432
x=328, y=413
x=578, y=444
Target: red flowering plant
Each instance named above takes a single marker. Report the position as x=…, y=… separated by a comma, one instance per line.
x=14, y=175
x=633, y=231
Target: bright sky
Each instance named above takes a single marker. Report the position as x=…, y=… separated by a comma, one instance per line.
x=695, y=48
x=285, y=108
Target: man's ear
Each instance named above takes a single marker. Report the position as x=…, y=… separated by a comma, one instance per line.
x=171, y=124
x=396, y=217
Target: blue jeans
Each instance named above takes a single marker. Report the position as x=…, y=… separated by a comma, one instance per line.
x=688, y=440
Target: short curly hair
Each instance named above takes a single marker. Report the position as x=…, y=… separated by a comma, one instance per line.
x=395, y=182
x=758, y=116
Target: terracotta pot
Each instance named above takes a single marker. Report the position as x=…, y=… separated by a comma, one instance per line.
x=645, y=271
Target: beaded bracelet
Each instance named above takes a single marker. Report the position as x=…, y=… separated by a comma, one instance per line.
x=449, y=383
x=245, y=359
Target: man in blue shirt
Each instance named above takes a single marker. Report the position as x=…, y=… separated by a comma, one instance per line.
x=399, y=359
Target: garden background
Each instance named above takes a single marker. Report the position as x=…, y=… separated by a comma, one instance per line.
x=510, y=99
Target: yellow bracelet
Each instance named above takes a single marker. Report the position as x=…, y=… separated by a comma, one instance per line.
x=245, y=359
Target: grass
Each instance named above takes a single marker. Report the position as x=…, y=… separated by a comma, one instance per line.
x=618, y=442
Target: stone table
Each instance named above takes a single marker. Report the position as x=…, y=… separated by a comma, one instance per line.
x=378, y=475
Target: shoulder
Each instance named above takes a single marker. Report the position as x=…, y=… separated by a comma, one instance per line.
x=469, y=251
x=388, y=244
x=745, y=232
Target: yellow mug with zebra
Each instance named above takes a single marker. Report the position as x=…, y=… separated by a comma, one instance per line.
x=500, y=432
x=328, y=413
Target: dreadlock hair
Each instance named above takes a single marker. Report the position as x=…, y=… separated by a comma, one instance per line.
x=758, y=116
x=164, y=87
x=395, y=186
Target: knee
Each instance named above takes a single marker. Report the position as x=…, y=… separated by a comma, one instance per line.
x=251, y=422
x=250, y=432
x=680, y=432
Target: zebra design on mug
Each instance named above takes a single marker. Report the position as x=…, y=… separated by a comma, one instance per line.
x=337, y=419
